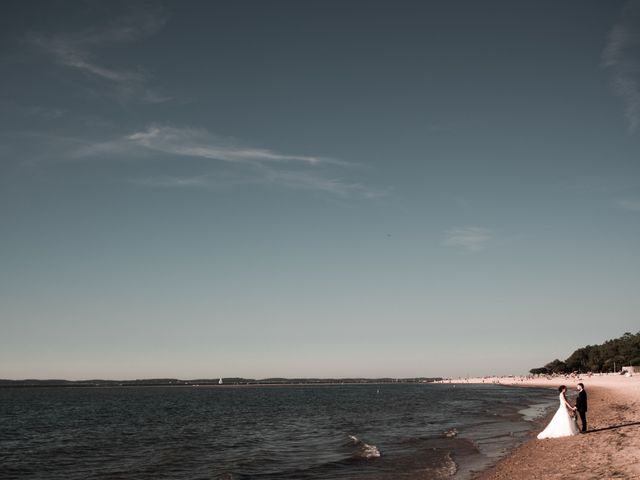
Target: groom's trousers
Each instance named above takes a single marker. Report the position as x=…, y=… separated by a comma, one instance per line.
x=583, y=419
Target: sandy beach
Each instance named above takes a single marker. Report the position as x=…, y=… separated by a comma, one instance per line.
x=610, y=449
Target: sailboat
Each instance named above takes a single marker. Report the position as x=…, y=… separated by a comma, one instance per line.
x=220, y=381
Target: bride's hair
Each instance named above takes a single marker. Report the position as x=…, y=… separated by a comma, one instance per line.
x=562, y=388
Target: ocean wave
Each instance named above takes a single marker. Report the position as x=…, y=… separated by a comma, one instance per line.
x=364, y=450
x=535, y=411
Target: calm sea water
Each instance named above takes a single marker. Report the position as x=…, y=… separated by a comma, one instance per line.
x=431, y=431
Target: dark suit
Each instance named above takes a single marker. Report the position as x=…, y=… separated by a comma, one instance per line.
x=581, y=406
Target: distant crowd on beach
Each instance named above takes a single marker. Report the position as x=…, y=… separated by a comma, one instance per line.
x=574, y=376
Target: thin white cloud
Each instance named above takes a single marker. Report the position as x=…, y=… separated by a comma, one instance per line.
x=190, y=142
x=472, y=239
x=79, y=51
x=235, y=163
x=288, y=179
x=165, y=181
x=621, y=55
x=314, y=181
x=631, y=204
x=195, y=143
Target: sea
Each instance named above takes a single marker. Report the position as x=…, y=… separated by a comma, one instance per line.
x=322, y=432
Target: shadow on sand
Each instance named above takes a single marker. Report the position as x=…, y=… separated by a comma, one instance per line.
x=612, y=427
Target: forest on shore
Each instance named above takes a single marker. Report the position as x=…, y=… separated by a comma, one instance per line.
x=610, y=356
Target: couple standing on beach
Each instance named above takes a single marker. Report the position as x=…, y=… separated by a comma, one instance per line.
x=564, y=422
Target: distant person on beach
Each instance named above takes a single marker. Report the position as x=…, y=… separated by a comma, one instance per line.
x=581, y=405
x=563, y=423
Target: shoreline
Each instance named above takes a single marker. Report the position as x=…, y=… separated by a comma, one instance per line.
x=610, y=449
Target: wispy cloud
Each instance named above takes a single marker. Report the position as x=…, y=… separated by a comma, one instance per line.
x=244, y=164
x=621, y=55
x=166, y=181
x=199, y=143
x=79, y=51
x=308, y=181
x=471, y=239
x=631, y=204
x=316, y=181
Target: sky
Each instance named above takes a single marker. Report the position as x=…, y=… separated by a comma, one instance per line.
x=315, y=189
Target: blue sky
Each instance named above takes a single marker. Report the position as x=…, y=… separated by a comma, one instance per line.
x=288, y=188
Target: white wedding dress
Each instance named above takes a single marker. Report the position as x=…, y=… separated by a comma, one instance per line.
x=561, y=425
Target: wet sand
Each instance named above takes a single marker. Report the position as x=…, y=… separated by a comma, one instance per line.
x=609, y=450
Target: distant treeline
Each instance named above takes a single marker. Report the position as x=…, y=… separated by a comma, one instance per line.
x=174, y=382
x=611, y=356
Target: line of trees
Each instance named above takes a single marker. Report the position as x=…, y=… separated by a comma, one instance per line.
x=608, y=357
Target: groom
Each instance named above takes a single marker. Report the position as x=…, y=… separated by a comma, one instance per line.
x=581, y=406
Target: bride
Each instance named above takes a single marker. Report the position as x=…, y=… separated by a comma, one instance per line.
x=562, y=424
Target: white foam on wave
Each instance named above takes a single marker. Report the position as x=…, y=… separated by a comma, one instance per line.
x=370, y=451
x=535, y=411
x=364, y=449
